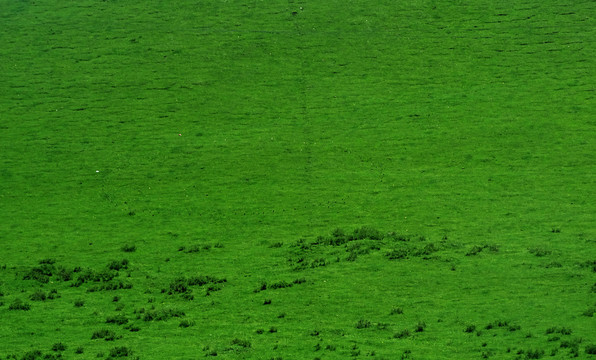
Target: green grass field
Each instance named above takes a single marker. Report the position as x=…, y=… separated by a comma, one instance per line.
x=297, y=179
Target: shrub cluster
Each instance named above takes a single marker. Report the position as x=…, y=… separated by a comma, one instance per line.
x=162, y=314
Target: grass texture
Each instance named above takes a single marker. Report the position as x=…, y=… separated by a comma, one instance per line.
x=297, y=179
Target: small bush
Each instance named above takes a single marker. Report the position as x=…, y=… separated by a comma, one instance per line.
x=79, y=350
x=117, y=319
x=106, y=334
x=18, y=304
x=420, y=326
x=589, y=312
x=475, y=250
x=470, y=328
x=241, y=343
x=362, y=324
x=367, y=232
x=128, y=248
x=272, y=329
x=397, y=254
x=540, y=252
x=118, y=265
x=120, y=351
x=591, y=349
x=534, y=354
x=38, y=295
x=186, y=323
x=402, y=334
x=32, y=355
x=58, y=347
x=162, y=314
x=79, y=303
x=396, y=310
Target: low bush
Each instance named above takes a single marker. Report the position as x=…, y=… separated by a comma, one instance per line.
x=79, y=303
x=38, y=295
x=118, y=319
x=591, y=349
x=540, y=252
x=186, y=323
x=162, y=314
x=118, y=265
x=105, y=334
x=18, y=304
x=396, y=310
x=120, y=351
x=241, y=343
x=402, y=334
x=79, y=350
x=420, y=326
x=58, y=347
x=128, y=248
x=534, y=354
x=362, y=324
x=470, y=328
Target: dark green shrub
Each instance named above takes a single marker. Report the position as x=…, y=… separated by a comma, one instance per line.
x=475, y=250
x=32, y=355
x=186, y=323
x=241, y=343
x=402, y=334
x=420, y=326
x=591, y=349
x=162, y=314
x=267, y=302
x=272, y=329
x=397, y=254
x=470, y=328
x=540, y=252
x=79, y=303
x=367, y=232
x=120, y=351
x=106, y=334
x=41, y=273
x=589, y=312
x=276, y=245
x=363, y=324
x=58, y=347
x=117, y=319
x=280, y=285
x=427, y=250
x=63, y=274
x=38, y=295
x=18, y=304
x=396, y=310
x=534, y=354
x=79, y=350
x=118, y=265
x=128, y=248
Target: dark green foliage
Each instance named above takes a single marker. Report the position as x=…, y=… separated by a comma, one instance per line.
x=397, y=254
x=396, y=310
x=118, y=265
x=18, y=304
x=534, y=354
x=38, y=295
x=591, y=349
x=162, y=314
x=362, y=324
x=540, y=252
x=402, y=334
x=241, y=343
x=32, y=355
x=272, y=330
x=559, y=330
x=420, y=326
x=470, y=328
x=367, y=232
x=186, y=323
x=589, y=312
x=118, y=319
x=79, y=350
x=120, y=351
x=58, y=347
x=128, y=248
x=106, y=334
x=40, y=273
x=183, y=285
x=79, y=303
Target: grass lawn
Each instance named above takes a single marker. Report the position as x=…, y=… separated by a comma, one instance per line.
x=297, y=179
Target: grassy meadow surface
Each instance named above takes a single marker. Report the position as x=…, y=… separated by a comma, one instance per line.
x=297, y=179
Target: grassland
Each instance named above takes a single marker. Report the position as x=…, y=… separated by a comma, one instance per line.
x=297, y=179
